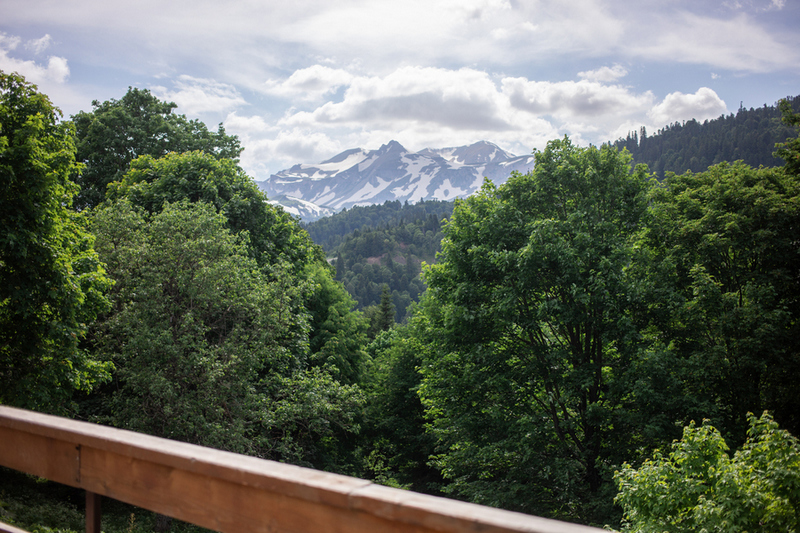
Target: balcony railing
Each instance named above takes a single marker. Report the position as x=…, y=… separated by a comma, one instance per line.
x=228, y=492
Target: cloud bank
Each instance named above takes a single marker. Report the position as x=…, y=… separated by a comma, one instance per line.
x=434, y=107
x=300, y=81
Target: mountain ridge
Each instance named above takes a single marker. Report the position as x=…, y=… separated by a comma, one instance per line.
x=357, y=177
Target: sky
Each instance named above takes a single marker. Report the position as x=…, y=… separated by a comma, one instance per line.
x=300, y=81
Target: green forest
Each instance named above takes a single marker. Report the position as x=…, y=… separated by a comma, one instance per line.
x=383, y=247
x=750, y=136
x=590, y=343
x=360, y=241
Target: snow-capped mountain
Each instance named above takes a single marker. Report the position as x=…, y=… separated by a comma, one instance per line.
x=359, y=177
x=307, y=211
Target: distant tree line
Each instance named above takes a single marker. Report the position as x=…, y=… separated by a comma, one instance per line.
x=749, y=135
x=330, y=232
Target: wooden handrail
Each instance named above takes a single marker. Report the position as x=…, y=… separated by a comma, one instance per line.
x=234, y=493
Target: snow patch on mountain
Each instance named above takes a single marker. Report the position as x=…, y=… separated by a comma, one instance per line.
x=302, y=209
x=359, y=177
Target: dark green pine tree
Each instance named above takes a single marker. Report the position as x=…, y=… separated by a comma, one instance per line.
x=385, y=318
x=340, y=267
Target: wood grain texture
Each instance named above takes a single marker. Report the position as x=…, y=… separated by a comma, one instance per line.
x=234, y=493
x=93, y=512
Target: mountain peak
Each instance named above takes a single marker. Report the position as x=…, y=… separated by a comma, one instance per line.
x=481, y=152
x=391, y=146
x=359, y=177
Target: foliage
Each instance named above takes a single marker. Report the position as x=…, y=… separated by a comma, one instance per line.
x=51, y=282
x=529, y=303
x=699, y=487
x=382, y=316
x=209, y=347
x=397, y=446
x=383, y=245
x=789, y=151
x=727, y=290
x=116, y=132
x=392, y=256
x=310, y=419
x=37, y=505
x=338, y=334
x=274, y=237
x=200, y=177
x=330, y=232
x=40, y=506
x=750, y=136
x=195, y=326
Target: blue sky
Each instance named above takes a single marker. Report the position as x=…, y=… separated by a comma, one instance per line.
x=302, y=80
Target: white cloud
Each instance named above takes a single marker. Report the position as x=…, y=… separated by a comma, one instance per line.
x=569, y=99
x=604, y=74
x=454, y=99
x=516, y=32
x=310, y=83
x=360, y=73
x=55, y=71
x=737, y=44
x=246, y=125
x=199, y=95
x=702, y=105
x=755, y=5
x=8, y=42
x=268, y=153
x=39, y=45
x=434, y=107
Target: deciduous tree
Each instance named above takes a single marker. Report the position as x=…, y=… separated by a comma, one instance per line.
x=116, y=132
x=201, y=177
x=728, y=294
x=529, y=299
x=700, y=487
x=51, y=282
x=195, y=326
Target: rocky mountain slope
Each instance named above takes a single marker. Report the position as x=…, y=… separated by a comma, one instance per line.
x=360, y=177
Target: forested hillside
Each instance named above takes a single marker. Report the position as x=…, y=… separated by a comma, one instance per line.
x=578, y=319
x=383, y=245
x=330, y=232
x=749, y=135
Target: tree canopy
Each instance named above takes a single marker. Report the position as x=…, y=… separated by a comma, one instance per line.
x=530, y=300
x=698, y=486
x=195, y=324
x=116, y=132
x=727, y=286
x=207, y=345
x=749, y=135
x=201, y=177
x=51, y=282
x=577, y=318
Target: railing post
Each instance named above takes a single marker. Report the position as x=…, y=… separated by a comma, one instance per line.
x=93, y=512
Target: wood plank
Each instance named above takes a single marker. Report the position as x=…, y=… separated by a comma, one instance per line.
x=218, y=504
x=41, y=456
x=234, y=493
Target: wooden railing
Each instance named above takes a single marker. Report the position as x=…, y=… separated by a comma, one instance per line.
x=228, y=492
